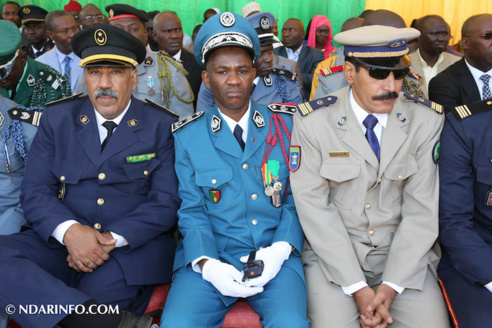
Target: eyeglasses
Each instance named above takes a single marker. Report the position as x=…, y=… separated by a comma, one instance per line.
x=68, y=31
x=7, y=68
x=91, y=18
x=382, y=74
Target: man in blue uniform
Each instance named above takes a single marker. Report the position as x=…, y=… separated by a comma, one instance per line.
x=465, y=214
x=231, y=164
x=100, y=196
x=275, y=82
x=16, y=141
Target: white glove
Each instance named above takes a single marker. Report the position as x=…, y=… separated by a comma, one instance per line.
x=273, y=257
x=226, y=279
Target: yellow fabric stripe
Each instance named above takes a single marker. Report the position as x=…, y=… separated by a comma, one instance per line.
x=378, y=54
x=108, y=57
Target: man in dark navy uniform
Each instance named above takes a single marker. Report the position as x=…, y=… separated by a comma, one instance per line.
x=100, y=197
x=465, y=214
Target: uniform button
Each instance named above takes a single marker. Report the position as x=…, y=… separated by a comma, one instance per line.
x=62, y=178
x=371, y=232
x=101, y=176
x=97, y=226
x=255, y=222
x=400, y=177
x=254, y=197
x=146, y=172
x=380, y=180
x=245, y=166
x=100, y=201
x=368, y=206
x=214, y=181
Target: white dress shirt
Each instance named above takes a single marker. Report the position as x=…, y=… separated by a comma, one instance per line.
x=429, y=71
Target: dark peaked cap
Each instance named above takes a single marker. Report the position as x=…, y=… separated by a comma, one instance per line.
x=107, y=45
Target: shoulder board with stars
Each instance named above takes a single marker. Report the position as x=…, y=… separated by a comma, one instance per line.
x=160, y=107
x=464, y=111
x=311, y=106
x=282, y=108
x=284, y=72
x=331, y=70
x=72, y=97
x=178, y=125
x=23, y=115
x=425, y=102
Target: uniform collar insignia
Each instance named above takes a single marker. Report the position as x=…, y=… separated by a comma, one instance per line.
x=268, y=80
x=215, y=124
x=132, y=123
x=84, y=119
x=258, y=119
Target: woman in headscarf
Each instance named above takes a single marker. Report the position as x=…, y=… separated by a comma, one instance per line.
x=320, y=35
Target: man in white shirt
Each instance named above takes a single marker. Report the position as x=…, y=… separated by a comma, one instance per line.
x=61, y=27
x=431, y=57
x=365, y=184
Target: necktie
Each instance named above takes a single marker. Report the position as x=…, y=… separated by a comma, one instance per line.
x=238, y=133
x=370, y=122
x=110, y=126
x=66, y=61
x=486, y=93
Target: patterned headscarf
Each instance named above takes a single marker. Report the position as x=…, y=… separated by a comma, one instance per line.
x=318, y=21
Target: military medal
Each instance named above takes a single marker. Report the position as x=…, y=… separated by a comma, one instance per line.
x=267, y=179
x=150, y=84
x=276, y=198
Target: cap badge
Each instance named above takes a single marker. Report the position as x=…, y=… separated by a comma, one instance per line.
x=111, y=13
x=100, y=37
x=227, y=19
x=26, y=11
x=265, y=23
x=397, y=43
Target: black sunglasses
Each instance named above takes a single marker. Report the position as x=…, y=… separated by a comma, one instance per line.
x=382, y=74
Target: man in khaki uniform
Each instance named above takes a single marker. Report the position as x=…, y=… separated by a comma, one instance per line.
x=365, y=183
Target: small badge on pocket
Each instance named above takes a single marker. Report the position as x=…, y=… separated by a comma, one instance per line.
x=488, y=200
x=214, y=195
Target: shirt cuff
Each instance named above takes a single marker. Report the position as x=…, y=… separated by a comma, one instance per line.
x=195, y=266
x=397, y=288
x=489, y=286
x=61, y=229
x=120, y=240
x=350, y=290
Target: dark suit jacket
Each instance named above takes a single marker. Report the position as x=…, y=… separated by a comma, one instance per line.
x=140, y=198
x=309, y=58
x=195, y=77
x=454, y=86
x=49, y=44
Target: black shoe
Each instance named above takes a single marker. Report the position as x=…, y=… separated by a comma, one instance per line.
x=132, y=320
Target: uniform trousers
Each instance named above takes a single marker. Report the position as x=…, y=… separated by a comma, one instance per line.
x=194, y=302
x=35, y=274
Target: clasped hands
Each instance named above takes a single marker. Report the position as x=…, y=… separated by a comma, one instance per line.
x=87, y=247
x=228, y=280
x=374, y=306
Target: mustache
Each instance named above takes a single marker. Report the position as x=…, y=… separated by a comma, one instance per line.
x=386, y=96
x=106, y=92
